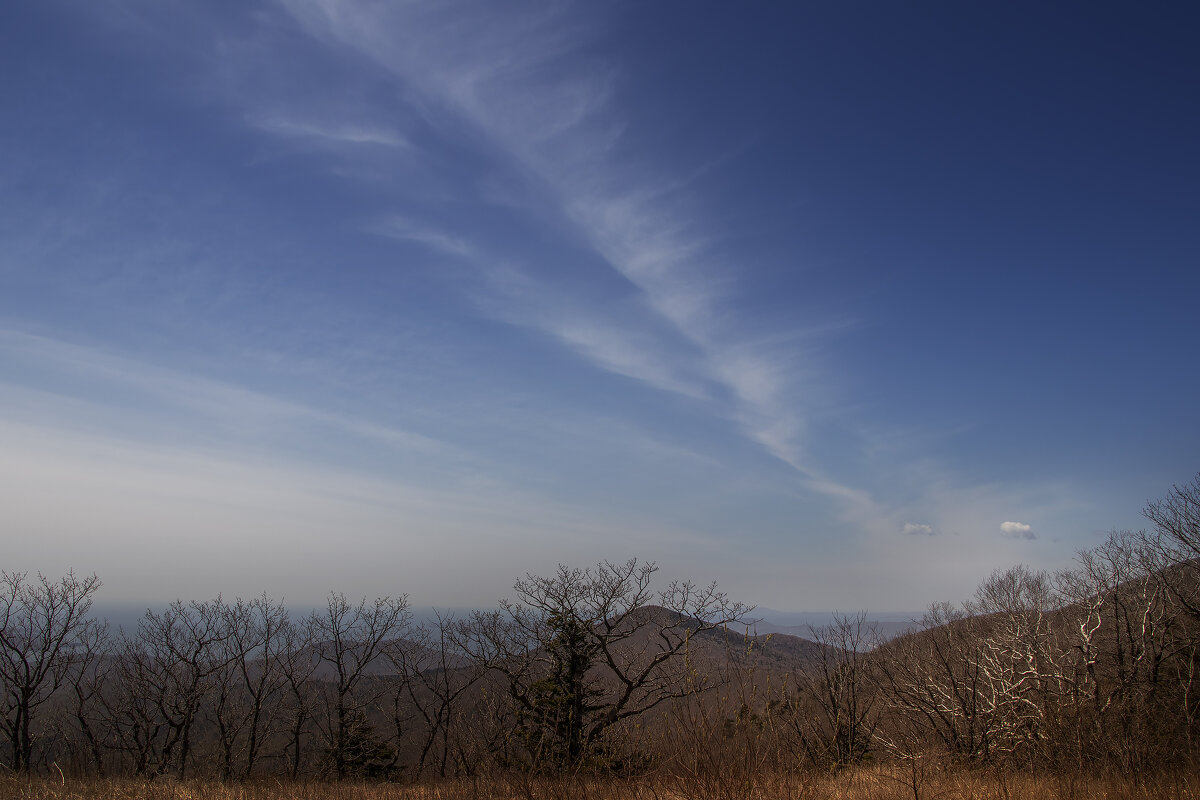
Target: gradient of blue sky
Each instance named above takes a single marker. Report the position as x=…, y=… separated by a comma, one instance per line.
x=838, y=304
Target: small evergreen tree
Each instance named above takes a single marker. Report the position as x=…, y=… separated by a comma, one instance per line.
x=364, y=753
x=553, y=724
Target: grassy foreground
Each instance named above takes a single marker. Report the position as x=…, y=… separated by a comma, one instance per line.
x=876, y=783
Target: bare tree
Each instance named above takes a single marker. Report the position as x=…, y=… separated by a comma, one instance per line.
x=129, y=708
x=42, y=624
x=351, y=638
x=1176, y=519
x=252, y=681
x=1175, y=541
x=436, y=673
x=169, y=668
x=1175, y=538
x=88, y=682
x=1020, y=660
x=933, y=683
x=835, y=714
x=224, y=708
x=1124, y=634
x=297, y=663
x=583, y=649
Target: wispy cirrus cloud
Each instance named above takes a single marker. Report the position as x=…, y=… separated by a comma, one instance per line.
x=174, y=465
x=171, y=393
x=532, y=129
x=509, y=92
x=506, y=78
x=624, y=344
x=328, y=132
x=430, y=236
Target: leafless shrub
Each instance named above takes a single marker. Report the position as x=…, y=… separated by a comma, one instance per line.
x=43, y=628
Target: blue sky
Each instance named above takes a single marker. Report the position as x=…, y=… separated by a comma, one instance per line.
x=840, y=305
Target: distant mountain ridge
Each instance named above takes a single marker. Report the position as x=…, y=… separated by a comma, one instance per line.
x=889, y=624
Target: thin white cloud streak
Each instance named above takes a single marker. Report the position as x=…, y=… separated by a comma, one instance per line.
x=162, y=401
x=616, y=351
x=328, y=133
x=229, y=405
x=624, y=347
x=69, y=386
x=429, y=236
x=87, y=481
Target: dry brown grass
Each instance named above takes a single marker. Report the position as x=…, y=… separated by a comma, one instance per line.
x=876, y=783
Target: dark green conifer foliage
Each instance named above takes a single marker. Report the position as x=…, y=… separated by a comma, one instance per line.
x=365, y=754
x=553, y=725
